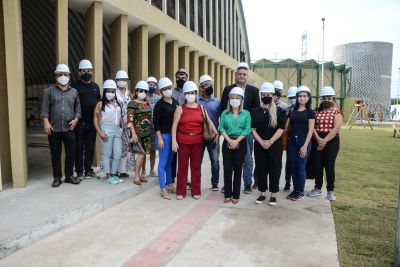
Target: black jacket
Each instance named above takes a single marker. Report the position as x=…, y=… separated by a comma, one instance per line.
x=251, y=97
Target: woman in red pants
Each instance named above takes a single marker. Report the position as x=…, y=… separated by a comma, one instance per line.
x=187, y=140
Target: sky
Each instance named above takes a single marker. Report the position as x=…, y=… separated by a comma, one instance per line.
x=274, y=28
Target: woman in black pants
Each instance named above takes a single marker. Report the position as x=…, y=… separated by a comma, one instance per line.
x=268, y=124
x=234, y=126
x=326, y=142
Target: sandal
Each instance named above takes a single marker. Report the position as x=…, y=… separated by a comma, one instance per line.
x=179, y=197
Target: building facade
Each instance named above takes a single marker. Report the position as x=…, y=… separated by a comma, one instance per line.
x=146, y=38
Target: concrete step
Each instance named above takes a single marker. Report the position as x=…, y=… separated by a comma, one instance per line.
x=37, y=211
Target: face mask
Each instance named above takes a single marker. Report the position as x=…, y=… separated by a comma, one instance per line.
x=190, y=98
x=180, y=83
x=266, y=99
x=121, y=84
x=326, y=104
x=209, y=90
x=63, y=80
x=278, y=94
x=167, y=93
x=110, y=96
x=86, y=77
x=142, y=95
x=235, y=103
x=152, y=90
x=292, y=101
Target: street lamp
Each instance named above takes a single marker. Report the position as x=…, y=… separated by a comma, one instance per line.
x=323, y=50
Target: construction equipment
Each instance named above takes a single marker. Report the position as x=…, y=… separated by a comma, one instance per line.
x=358, y=113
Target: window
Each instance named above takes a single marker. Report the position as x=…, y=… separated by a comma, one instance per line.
x=182, y=12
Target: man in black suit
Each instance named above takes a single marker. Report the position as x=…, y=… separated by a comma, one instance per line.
x=251, y=101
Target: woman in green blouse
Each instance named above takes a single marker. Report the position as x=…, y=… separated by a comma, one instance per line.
x=235, y=125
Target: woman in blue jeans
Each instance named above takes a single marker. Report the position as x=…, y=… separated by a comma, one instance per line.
x=301, y=127
x=163, y=117
x=108, y=121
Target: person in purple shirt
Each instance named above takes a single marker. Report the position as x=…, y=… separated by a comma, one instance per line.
x=213, y=107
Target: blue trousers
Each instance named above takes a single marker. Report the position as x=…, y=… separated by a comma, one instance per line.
x=298, y=164
x=112, y=148
x=248, y=162
x=165, y=160
x=213, y=153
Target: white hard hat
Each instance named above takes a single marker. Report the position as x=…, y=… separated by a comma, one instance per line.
x=121, y=74
x=237, y=91
x=292, y=91
x=205, y=78
x=85, y=64
x=303, y=88
x=151, y=79
x=164, y=82
x=327, y=91
x=109, y=84
x=278, y=85
x=189, y=86
x=267, y=88
x=142, y=85
x=243, y=65
x=62, y=68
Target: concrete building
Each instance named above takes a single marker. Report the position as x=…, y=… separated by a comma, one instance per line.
x=144, y=37
x=371, y=63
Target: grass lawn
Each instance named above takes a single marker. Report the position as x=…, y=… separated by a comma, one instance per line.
x=367, y=186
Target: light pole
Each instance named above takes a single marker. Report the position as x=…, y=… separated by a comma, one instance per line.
x=323, y=50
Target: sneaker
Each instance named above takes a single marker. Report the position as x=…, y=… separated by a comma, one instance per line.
x=111, y=180
x=215, y=188
x=118, y=179
x=331, y=196
x=291, y=194
x=297, y=196
x=315, y=192
x=247, y=189
x=90, y=175
x=260, y=199
x=255, y=186
x=272, y=201
x=287, y=187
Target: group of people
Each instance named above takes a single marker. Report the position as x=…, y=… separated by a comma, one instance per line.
x=171, y=119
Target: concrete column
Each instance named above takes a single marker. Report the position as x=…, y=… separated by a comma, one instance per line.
x=226, y=21
x=119, y=45
x=217, y=78
x=231, y=28
x=139, y=54
x=222, y=14
x=164, y=6
x=188, y=13
x=184, y=59
x=194, y=66
x=222, y=80
x=217, y=29
x=203, y=66
x=196, y=16
x=94, y=51
x=234, y=43
x=233, y=80
x=172, y=59
x=157, y=56
x=211, y=72
x=61, y=30
x=13, y=146
x=94, y=39
x=211, y=20
x=176, y=10
x=228, y=76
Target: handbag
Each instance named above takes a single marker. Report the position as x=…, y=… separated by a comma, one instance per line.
x=208, y=132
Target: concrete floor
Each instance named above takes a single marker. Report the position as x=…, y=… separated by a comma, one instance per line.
x=146, y=230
